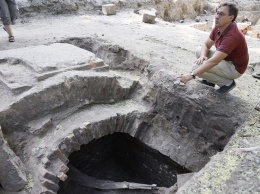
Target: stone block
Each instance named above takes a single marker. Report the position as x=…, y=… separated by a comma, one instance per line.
x=149, y=17
x=62, y=176
x=60, y=155
x=12, y=169
x=48, y=175
x=50, y=185
x=109, y=9
x=88, y=134
x=72, y=143
x=78, y=133
x=62, y=168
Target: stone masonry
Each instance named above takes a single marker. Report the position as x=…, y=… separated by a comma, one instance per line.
x=99, y=76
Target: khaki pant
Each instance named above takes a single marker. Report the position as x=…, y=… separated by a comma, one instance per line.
x=221, y=74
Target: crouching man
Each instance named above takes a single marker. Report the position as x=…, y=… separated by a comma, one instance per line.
x=230, y=59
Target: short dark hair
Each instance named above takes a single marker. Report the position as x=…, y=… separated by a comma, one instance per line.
x=232, y=9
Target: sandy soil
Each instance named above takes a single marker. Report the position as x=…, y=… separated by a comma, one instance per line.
x=170, y=44
x=167, y=43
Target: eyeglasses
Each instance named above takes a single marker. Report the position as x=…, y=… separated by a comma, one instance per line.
x=220, y=13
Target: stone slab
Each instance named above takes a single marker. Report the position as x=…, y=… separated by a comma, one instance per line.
x=21, y=68
x=46, y=58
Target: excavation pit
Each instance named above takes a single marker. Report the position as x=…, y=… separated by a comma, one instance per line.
x=188, y=124
x=120, y=157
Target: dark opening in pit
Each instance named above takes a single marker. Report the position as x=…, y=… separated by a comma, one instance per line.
x=119, y=157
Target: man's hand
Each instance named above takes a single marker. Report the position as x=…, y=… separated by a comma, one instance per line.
x=200, y=60
x=185, y=78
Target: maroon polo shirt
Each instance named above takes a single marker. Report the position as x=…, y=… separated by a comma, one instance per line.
x=233, y=43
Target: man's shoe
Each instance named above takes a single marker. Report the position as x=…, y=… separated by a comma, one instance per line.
x=256, y=75
x=226, y=89
x=207, y=83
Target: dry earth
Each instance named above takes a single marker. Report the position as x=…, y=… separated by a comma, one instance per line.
x=161, y=43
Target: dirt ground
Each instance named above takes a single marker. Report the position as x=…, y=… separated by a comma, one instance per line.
x=170, y=44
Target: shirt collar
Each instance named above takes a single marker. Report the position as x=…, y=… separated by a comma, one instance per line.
x=227, y=29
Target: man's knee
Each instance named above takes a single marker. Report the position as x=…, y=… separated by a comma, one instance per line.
x=197, y=52
x=194, y=66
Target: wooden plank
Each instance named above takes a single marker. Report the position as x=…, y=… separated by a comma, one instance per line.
x=91, y=182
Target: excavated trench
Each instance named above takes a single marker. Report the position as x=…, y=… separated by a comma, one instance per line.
x=119, y=157
x=99, y=132
x=115, y=161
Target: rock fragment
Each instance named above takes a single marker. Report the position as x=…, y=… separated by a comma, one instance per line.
x=109, y=9
x=12, y=169
x=149, y=17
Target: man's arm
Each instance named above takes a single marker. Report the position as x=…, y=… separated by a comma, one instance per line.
x=206, y=65
x=217, y=57
x=204, y=51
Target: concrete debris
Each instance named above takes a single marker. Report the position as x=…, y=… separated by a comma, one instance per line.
x=109, y=9
x=149, y=17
